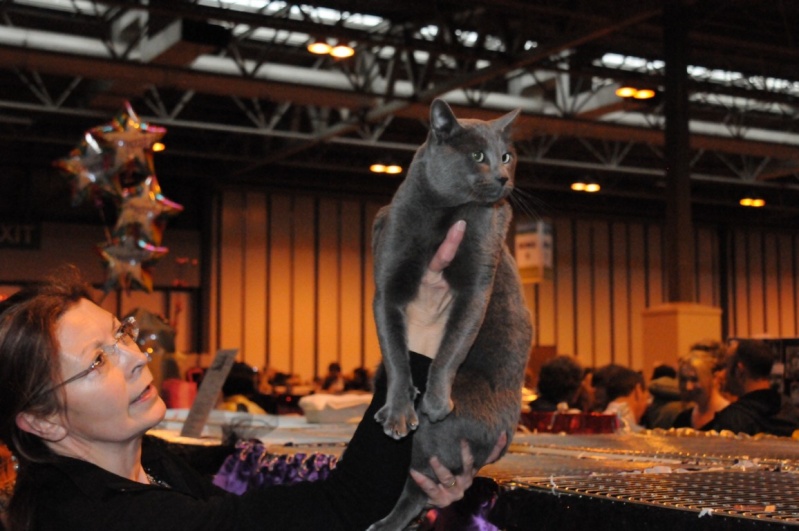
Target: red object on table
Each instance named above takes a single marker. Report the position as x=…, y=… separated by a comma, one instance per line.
x=582, y=423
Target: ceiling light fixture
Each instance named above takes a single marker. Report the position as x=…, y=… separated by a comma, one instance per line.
x=319, y=47
x=644, y=94
x=322, y=47
x=342, y=51
x=755, y=202
x=586, y=186
x=391, y=169
x=628, y=91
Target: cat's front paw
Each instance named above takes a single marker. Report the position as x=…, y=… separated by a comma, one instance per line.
x=397, y=421
x=436, y=407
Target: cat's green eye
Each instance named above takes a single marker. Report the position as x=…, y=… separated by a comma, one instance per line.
x=478, y=156
x=506, y=158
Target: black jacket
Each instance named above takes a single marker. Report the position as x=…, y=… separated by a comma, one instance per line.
x=71, y=494
x=764, y=411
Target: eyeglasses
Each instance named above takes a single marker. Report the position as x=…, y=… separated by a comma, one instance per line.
x=126, y=334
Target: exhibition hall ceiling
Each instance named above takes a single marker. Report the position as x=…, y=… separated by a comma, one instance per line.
x=244, y=102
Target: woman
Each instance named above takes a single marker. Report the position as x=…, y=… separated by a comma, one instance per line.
x=76, y=398
x=698, y=384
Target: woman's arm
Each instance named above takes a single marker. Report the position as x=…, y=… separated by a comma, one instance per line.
x=427, y=313
x=373, y=469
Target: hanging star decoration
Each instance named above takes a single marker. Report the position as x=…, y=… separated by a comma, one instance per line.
x=144, y=211
x=132, y=141
x=114, y=161
x=129, y=264
x=88, y=166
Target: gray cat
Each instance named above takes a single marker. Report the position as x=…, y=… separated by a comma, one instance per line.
x=464, y=171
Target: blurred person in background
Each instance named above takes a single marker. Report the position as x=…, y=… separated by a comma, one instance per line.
x=666, y=402
x=759, y=408
x=627, y=397
x=559, y=380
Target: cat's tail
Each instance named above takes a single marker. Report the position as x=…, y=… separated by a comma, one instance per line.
x=410, y=503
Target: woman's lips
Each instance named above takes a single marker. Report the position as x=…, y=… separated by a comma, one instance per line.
x=146, y=394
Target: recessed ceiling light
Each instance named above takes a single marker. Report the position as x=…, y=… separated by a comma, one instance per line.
x=342, y=51
x=319, y=48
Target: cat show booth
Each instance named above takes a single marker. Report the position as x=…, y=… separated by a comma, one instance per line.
x=659, y=480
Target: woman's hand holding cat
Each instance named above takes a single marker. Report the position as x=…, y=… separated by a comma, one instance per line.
x=427, y=313
x=450, y=488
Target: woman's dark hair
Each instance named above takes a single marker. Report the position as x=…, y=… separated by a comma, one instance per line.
x=29, y=360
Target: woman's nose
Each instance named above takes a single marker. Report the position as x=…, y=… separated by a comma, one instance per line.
x=132, y=356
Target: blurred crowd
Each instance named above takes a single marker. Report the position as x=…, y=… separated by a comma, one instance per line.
x=733, y=387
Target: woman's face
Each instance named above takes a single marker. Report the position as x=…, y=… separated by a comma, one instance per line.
x=117, y=401
x=696, y=383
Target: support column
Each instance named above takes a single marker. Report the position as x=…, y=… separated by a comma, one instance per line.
x=670, y=329
x=679, y=227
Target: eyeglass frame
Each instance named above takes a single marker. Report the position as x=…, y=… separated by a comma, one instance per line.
x=127, y=328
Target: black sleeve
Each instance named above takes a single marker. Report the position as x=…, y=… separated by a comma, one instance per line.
x=683, y=420
x=361, y=490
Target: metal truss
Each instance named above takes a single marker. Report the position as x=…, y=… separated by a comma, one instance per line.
x=234, y=83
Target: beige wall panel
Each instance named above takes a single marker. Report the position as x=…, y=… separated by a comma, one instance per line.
x=657, y=272
x=584, y=324
x=756, y=285
x=771, y=288
x=739, y=286
x=787, y=286
x=706, y=267
x=563, y=278
x=602, y=296
x=213, y=293
x=280, y=284
x=372, y=354
x=351, y=280
x=329, y=289
x=541, y=302
x=304, y=278
x=231, y=295
x=530, y=292
x=255, y=280
x=637, y=294
x=620, y=317
x=182, y=314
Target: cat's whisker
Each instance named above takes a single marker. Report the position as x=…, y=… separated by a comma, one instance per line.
x=526, y=203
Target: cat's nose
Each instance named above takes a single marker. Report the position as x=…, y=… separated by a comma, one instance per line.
x=502, y=180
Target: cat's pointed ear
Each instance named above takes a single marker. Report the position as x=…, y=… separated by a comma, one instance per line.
x=503, y=123
x=442, y=121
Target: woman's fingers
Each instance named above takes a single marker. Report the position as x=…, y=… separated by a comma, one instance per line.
x=497, y=451
x=446, y=251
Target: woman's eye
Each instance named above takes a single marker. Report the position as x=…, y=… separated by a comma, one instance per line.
x=99, y=361
x=506, y=158
x=478, y=156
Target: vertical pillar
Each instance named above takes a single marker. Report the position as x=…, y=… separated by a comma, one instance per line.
x=670, y=329
x=679, y=228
